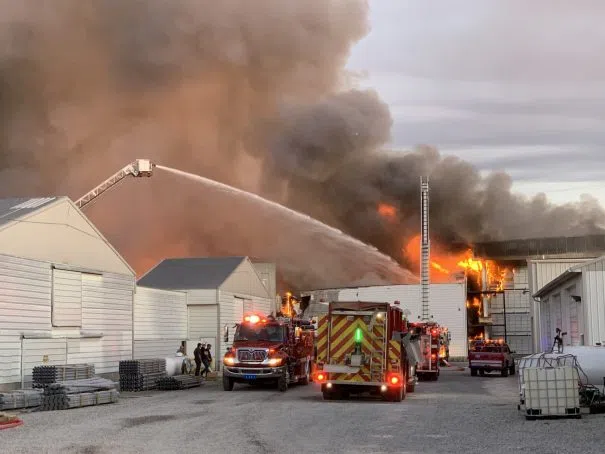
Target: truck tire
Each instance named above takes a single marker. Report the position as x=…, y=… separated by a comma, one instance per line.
x=505, y=372
x=411, y=388
x=396, y=395
x=227, y=384
x=327, y=395
x=307, y=378
x=512, y=369
x=282, y=382
x=473, y=372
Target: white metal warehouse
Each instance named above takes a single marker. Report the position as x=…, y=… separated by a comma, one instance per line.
x=574, y=302
x=219, y=291
x=447, y=305
x=65, y=293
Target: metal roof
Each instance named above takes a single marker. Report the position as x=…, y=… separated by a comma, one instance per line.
x=190, y=273
x=13, y=209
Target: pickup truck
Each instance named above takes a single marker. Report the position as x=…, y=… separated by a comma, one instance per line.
x=489, y=356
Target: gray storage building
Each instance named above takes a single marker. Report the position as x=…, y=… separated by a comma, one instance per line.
x=219, y=292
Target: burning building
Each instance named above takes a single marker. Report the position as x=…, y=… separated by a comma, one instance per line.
x=516, y=270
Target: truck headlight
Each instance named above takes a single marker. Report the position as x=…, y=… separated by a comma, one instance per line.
x=274, y=361
x=229, y=361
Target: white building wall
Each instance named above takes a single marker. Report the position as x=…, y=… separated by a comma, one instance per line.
x=160, y=322
x=593, y=300
x=25, y=289
x=267, y=272
x=540, y=273
x=448, y=306
x=28, y=337
x=60, y=233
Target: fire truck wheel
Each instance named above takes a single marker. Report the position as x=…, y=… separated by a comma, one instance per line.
x=307, y=378
x=505, y=372
x=473, y=372
x=227, y=384
x=512, y=369
x=282, y=382
x=411, y=388
x=397, y=395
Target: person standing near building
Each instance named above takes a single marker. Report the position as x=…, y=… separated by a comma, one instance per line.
x=197, y=354
x=206, y=359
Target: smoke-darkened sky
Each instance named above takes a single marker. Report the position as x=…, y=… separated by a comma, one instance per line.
x=511, y=85
x=257, y=95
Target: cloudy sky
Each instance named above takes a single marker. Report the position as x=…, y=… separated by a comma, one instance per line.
x=513, y=85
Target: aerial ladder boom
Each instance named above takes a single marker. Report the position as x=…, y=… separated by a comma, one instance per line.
x=138, y=168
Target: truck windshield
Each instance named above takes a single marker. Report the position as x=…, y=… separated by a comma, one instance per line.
x=271, y=333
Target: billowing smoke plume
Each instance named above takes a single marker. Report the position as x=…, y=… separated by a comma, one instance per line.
x=251, y=93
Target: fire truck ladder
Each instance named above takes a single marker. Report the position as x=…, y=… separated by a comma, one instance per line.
x=425, y=248
x=378, y=357
x=138, y=168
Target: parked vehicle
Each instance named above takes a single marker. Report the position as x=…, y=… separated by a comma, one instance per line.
x=429, y=334
x=489, y=356
x=361, y=349
x=268, y=349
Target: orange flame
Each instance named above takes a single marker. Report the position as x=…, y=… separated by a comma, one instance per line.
x=386, y=210
x=448, y=264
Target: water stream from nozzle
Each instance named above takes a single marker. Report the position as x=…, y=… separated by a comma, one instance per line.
x=382, y=260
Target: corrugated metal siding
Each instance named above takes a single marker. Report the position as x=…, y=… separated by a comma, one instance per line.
x=203, y=321
x=160, y=314
x=38, y=352
x=540, y=273
x=67, y=298
x=268, y=275
x=160, y=322
x=593, y=297
x=148, y=349
x=107, y=303
x=246, y=281
x=448, y=306
x=25, y=289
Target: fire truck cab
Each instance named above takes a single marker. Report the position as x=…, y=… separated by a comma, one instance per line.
x=269, y=349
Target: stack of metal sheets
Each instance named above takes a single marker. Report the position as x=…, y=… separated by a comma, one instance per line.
x=141, y=374
x=43, y=375
x=179, y=382
x=79, y=393
x=20, y=399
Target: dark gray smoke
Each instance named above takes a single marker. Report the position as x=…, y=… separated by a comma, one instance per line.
x=251, y=93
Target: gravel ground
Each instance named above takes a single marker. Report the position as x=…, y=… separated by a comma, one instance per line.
x=456, y=414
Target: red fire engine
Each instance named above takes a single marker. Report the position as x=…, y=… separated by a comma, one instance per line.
x=269, y=349
x=429, y=334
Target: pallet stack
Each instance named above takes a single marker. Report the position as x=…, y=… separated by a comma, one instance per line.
x=44, y=375
x=79, y=393
x=141, y=374
x=20, y=399
x=179, y=382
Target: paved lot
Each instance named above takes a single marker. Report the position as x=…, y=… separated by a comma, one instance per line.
x=456, y=414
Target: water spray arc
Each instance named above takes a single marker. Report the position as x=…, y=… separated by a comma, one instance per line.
x=145, y=168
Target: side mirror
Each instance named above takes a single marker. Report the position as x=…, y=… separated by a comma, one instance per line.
x=226, y=333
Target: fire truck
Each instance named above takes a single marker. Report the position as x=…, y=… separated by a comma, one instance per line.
x=429, y=334
x=361, y=348
x=269, y=349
